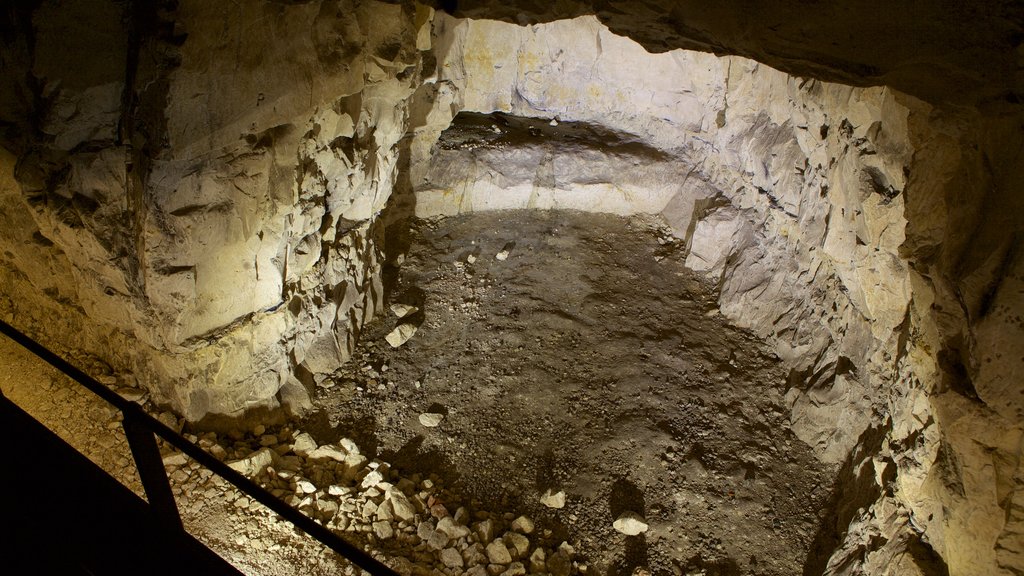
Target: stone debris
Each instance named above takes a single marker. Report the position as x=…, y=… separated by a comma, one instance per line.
x=523, y=525
x=498, y=553
x=254, y=463
x=411, y=522
x=431, y=420
x=403, y=310
x=630, y=523
x=400, y=335
x=553, y=499
x=502, y=256
x=420, y=524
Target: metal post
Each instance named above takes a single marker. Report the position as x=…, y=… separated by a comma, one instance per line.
x=152, y=472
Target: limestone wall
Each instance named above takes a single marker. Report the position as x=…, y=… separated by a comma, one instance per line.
x=218, y=241
x=192, y=193
x=848, y=225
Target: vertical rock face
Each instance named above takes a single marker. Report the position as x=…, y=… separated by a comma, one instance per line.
x=192, y=192
x=788, y=192
x=220, y=218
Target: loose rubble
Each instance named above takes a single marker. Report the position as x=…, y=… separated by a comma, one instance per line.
x=431, y=420
x=553, y=499
x=630, y=523
x=414, y=521
x=400, y=335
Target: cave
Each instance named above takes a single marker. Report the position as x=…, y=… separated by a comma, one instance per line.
x=509, y=288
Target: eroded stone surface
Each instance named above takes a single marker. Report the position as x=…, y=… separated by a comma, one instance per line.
x=211, y=232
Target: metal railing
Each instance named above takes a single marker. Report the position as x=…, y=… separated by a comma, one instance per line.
x=141, y=430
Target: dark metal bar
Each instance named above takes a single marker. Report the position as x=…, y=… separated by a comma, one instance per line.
x=152, y=472
x=134, y=413
x=64, y=366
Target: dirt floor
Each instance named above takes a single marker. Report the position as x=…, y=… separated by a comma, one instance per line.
x=588, y=361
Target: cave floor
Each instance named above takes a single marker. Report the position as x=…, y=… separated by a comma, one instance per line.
x=589, y=361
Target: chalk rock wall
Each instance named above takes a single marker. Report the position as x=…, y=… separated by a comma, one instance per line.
x=191, y=191
x=211, y=228
x=787, y=192
x=848, y=225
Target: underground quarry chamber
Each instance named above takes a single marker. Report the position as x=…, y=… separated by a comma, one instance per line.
x=500, y=289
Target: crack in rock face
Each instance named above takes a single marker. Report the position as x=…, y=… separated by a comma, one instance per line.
x=215, y=205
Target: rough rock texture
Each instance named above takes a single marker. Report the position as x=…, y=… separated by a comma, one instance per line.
x=964, y=52
x=218, y=213
x=190, y=192
x=794, y=197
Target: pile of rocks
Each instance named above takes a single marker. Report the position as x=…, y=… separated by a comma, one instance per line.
x=418, y=526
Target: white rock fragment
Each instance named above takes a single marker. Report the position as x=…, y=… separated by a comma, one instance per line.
x=303, y=444
x=502, y=256
x=403, y=310
x=431, y=419
x=402, y=508
x=517, y=543
x=175, y=459
x=497, y=553
x=523, y=525
x=400, y=335
x=451, y=558
x=336, y=490
x=254, y=463
x=325, y=452
x=553, y=499
x=383, y=530
x=372, y=479
x=630, y=523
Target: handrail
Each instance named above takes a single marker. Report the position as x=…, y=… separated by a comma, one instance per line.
x=140, y=428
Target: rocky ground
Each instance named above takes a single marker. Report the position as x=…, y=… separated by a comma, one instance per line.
x=562, y=352
x=410, y=522
x=564, y=399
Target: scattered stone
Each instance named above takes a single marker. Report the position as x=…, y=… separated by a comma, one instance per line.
x=497, y=553
x=485, y=530
x=400, y=335
x=425, y=530
x=515, y=569
x=325, y=452
x=383, y=530
x=516, y=543
x=431, y=419
x=254, y=463
x=403, y=310
x=451, y=528
x=475, y=554
x=372, y=479
x=630, y=523
x=559, y=564
x=451, y=558
x=305, y=487
x=538, y=561
x=553, y=499
x=502, y=256
x=402, y=508
x=523, y=525
x=385, y=512
x=132, y=394
x=303, y=444
x=438, y=540
x=175, y=459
